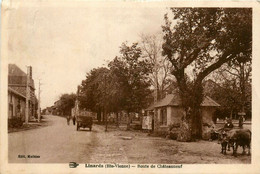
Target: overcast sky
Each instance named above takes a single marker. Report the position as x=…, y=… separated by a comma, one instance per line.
x=63, y=43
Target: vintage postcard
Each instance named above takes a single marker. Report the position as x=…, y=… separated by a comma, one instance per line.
x=130, y=87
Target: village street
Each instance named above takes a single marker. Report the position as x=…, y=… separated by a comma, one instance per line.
x=59, y=143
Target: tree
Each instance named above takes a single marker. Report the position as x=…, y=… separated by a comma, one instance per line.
x=236, y=78
x=160, y=76
x=241, y=72
x=226, y=93
x=116, y=91
x=66, y=103
x=204, y=39
x=131, y=72
x=93, y=91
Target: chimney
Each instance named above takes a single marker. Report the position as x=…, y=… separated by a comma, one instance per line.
x=29, y=71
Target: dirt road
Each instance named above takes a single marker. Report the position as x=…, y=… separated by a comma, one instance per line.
x=60, y=143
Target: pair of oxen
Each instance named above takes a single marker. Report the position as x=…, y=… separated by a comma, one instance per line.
x=234, y=138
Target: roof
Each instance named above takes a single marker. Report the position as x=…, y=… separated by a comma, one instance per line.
x=151, y=107
x=207, y=101
x=175, y=100
x=14, y=70
x=17, y=81
x=169, y=100
x=15, y=92
x=16, y=77
x=19, y=89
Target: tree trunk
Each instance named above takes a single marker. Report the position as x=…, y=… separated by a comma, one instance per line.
x=117, y=120
x=192, y=96
x=103, y=117
x=99, y=116
x=196, y=117
x=196, y=124
x=105, y=114
x=242, y=87
x=231, y=114
x=128, y=121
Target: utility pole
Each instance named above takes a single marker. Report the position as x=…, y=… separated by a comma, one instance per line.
x=39, y=102
x=27, y=95
x=106, y=100
x=77, y=104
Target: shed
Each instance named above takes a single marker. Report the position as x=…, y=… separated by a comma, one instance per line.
x=169, y=111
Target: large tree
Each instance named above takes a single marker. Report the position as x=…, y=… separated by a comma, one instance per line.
x=93, y=91
x=130, y=73
x=202, y=40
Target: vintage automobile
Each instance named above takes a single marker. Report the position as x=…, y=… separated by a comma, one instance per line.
x=84, y=121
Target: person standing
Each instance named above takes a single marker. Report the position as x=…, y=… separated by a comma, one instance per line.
x=74, y=120
x=68, y=120
x=240, y=121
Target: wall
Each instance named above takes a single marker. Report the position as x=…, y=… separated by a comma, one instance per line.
x=175, y=114
x=15, y=101
x=23, y=105
x=207, y=114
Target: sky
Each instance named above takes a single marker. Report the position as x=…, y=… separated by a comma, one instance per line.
x=63, y=43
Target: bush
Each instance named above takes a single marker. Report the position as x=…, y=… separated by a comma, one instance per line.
x=174, y=125
x=15, y=122
x=173, y=130
x=172, y=135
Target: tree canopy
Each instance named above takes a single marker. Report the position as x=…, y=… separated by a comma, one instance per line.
x=124, y=85
x=203, y=39
x=66, y=103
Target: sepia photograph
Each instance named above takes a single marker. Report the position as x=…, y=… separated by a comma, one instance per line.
x=118, y=86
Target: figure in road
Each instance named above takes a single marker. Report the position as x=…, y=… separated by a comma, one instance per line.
x=74, y=120
x=68, y=120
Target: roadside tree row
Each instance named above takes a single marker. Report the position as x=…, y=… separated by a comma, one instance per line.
x=196, y=44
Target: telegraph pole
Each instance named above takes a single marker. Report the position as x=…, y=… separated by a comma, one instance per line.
x=39, y=101
x=27, y=95
x=105, y=113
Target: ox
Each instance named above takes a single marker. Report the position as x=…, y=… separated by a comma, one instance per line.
x=241, y=137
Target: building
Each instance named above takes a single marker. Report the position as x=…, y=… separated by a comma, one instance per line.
x=17, y=81
x=169, y=111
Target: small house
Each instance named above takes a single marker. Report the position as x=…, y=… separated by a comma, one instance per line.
x=169, y=111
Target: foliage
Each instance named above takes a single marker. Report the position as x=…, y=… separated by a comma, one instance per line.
x=93, y=89
x=122, y=86
x=233, y=90
x=204, y=39
x=15, y=122
x=131, y=73
x=66, y=103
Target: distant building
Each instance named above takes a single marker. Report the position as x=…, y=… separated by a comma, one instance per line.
x=55, y=108
x=48, y=110
x=17, y=80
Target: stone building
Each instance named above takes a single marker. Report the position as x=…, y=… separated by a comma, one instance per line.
x=17, y=81
x=169, y=111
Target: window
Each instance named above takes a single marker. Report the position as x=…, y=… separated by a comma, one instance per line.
x=163, y=116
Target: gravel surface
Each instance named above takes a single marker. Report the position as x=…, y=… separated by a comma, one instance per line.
x=60, y=143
